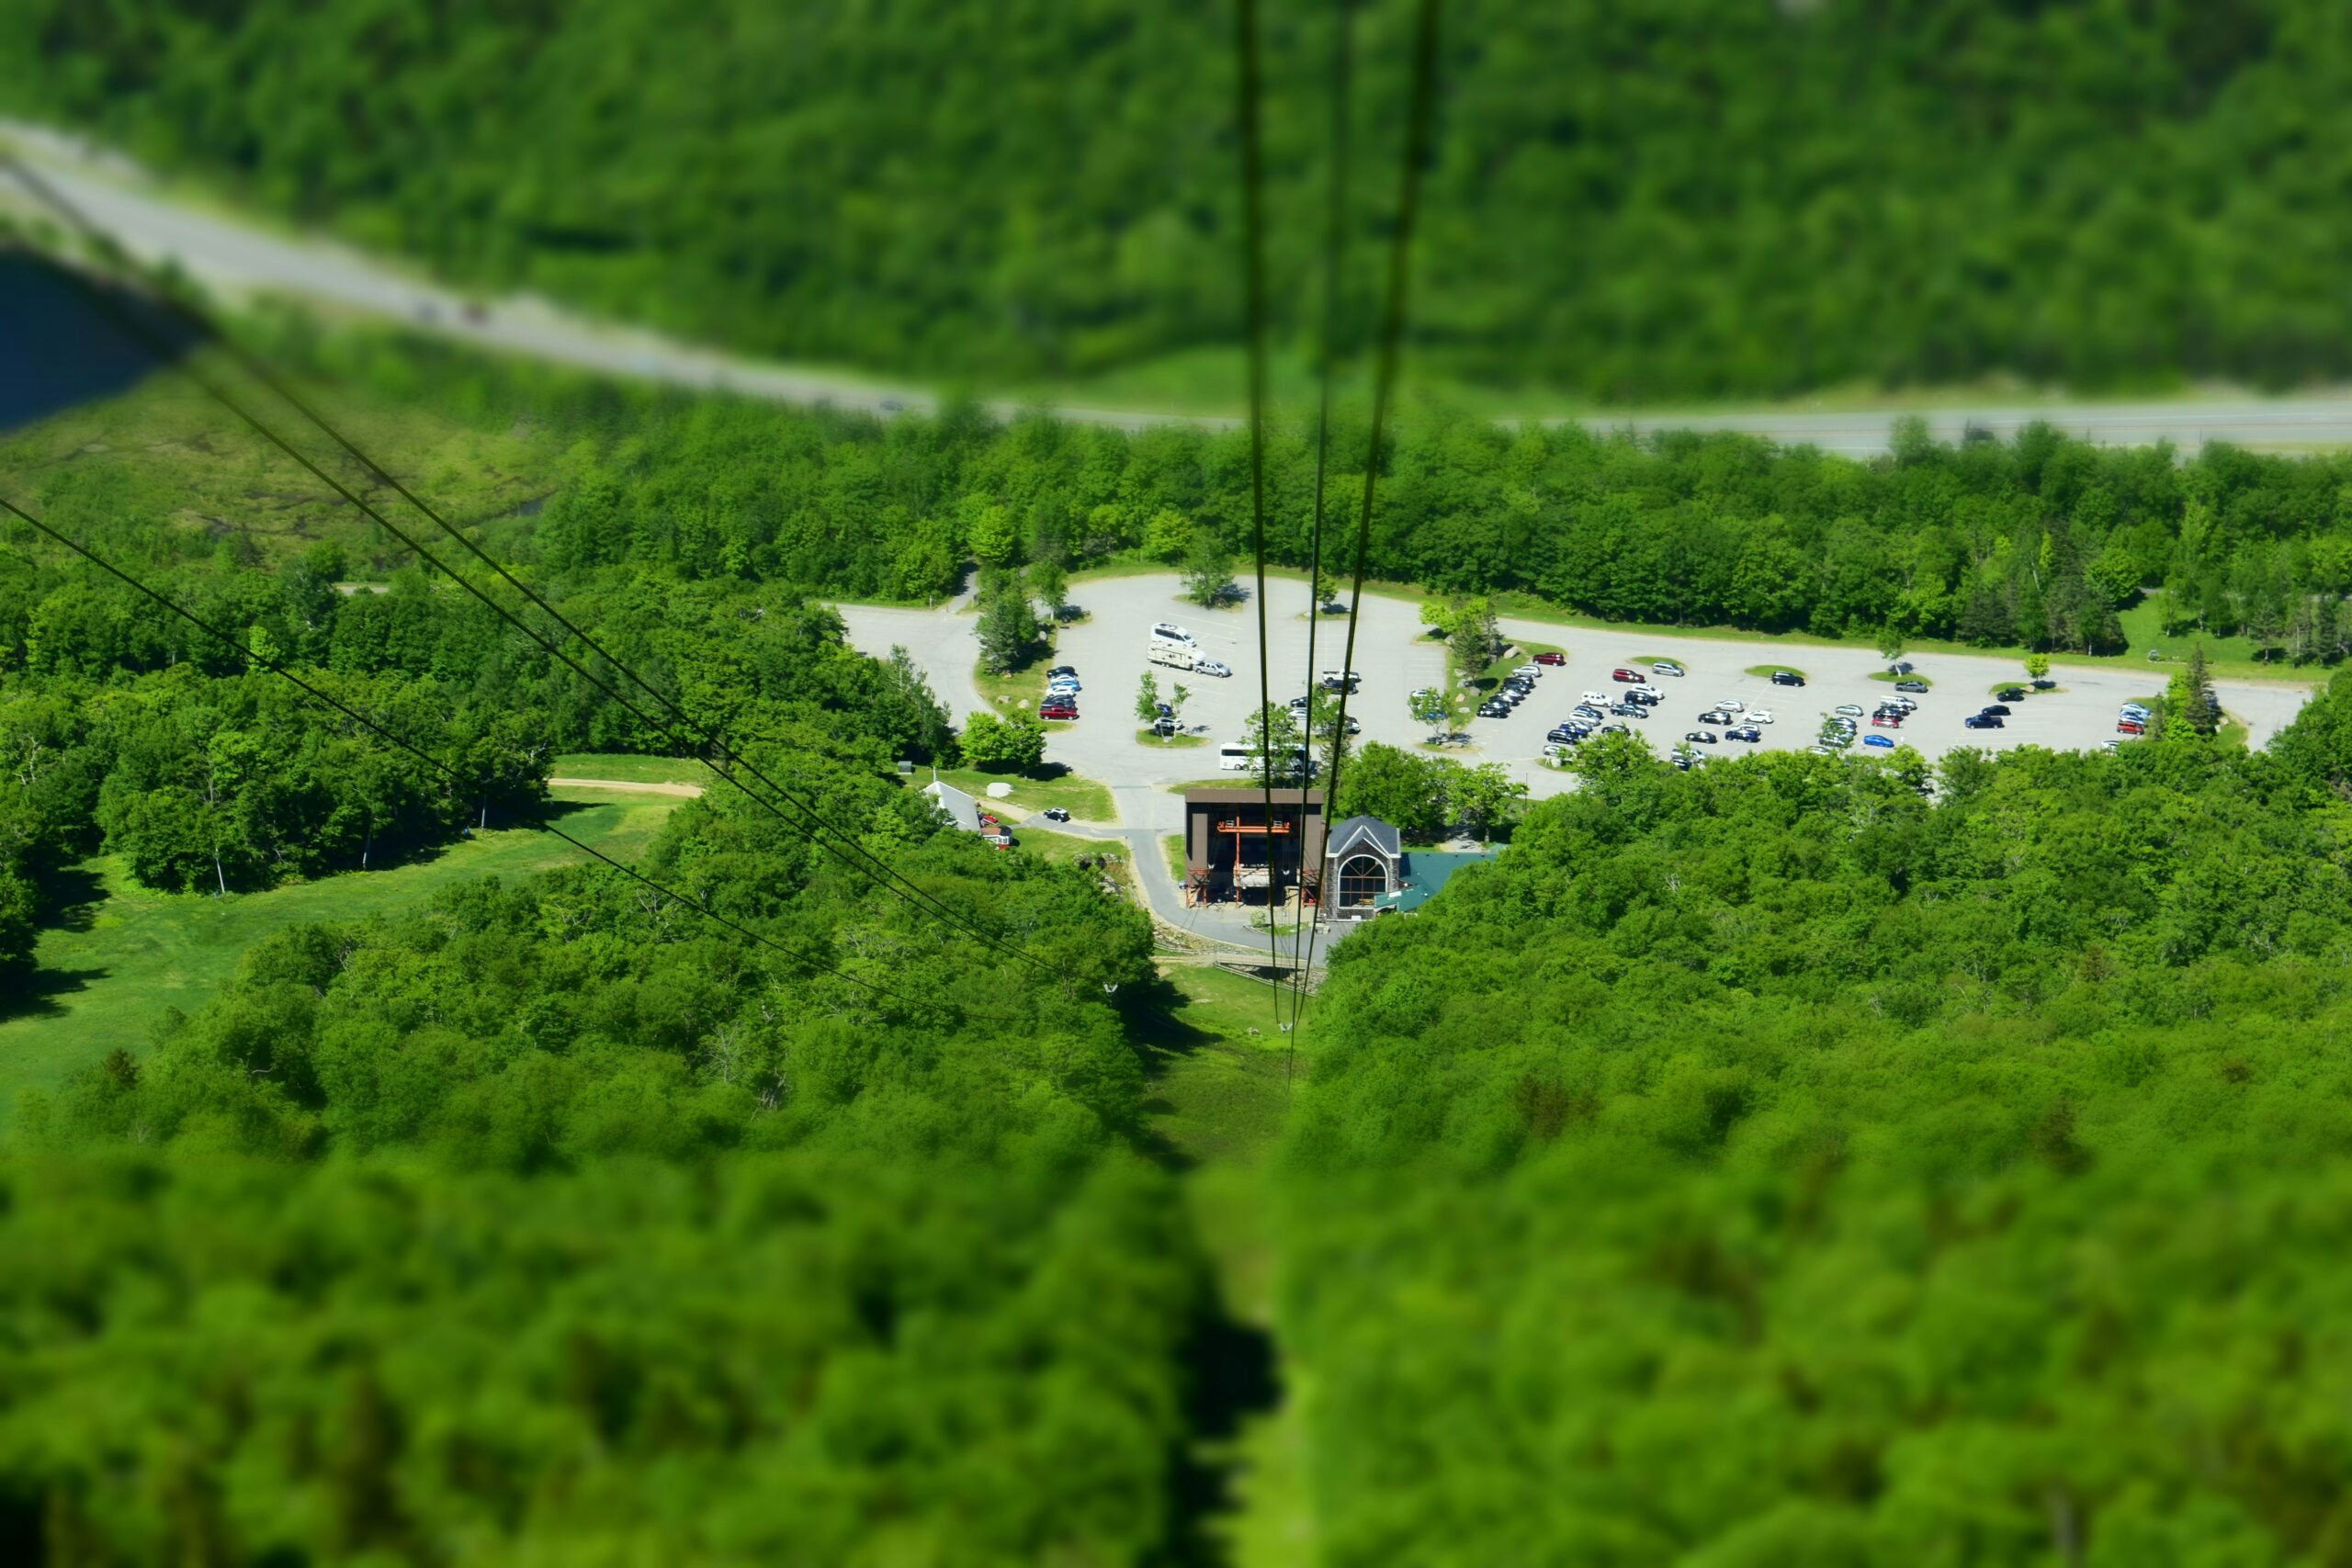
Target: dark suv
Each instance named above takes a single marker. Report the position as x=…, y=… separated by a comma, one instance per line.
x=1787, y=678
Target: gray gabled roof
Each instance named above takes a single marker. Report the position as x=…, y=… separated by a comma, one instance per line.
x=962, y=809
x=1347, y=835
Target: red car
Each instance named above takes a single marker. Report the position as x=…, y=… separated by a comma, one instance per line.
x=1059, y=710
x=1887, y=720
x=1551, y=658
x=1633, y=675
x=2127, y=726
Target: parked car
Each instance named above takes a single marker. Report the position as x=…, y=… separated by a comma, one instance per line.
x=1602, y=698
x=1703, y=736
x=1981, y=721
x=2110, y=745
x=1729, y=705
x=2139, y=709
x=1667, y=667
x=1886, y=721
x=1586, y=710
x=1910, y=686
x=1059, y=710
x=1055, y=814
x=1531, y=671
x=1998, y=710
x=1551, y=658
x=1333, y=679
x=1069, y=669
x=1898, y=668
x=1629, y=710
x=1494, y=710
x=2044, y=683
x=1851, y=710
x=1715, y=716
x=1820, y=750
x=1746, y=732
x=1645, y=696
x=2130, y=727
x=1216, y=667
x=1876, y=741
x=1614, y=730
x=1787, y=678
x=1561, y=732
x=1759, y=715
x=1171, y=632
x=2011, y=693
x=1626, y=675
x=1683, y=759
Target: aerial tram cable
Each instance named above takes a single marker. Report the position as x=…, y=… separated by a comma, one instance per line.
x=1334, y=251
x=277, y=667
x=842, y=845
x=1392, y=331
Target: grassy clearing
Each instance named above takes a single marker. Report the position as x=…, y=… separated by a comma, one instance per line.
x=165, y=450
x=1176, y=742
x=1219, y=1091
x=1052, y=786
x=103, y=982
x=1171, y=849
x=1769, y=671
x=1041, y=840
x=628, y=768
x=1019, y=691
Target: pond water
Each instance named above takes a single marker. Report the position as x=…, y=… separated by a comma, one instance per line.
x=57, y=347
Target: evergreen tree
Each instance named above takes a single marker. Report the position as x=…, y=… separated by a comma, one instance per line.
x=1008, y=630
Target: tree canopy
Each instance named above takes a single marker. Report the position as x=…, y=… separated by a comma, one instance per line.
x=1667, y=199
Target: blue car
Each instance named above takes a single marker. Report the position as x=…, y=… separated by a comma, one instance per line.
x=1878, y=740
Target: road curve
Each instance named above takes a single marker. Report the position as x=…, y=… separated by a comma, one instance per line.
x=235, y=257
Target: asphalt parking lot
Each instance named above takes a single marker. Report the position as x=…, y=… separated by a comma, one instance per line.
x=1394, y=656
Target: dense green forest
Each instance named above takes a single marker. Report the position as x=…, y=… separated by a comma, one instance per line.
x=1664, y=199
x=558, y=1221
x=555, y=1223
x=1784, y=1162
x=133, y=731
x=1766, y=1166
x=2037, y=542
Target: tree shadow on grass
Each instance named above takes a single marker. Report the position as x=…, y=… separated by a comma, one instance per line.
x=35, y=994
x=1237, y=1374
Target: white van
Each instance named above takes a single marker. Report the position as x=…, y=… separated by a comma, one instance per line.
x=1175, y=654
x=1171, y=632
x=1237, y=759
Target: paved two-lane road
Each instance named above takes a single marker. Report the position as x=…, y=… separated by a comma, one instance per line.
x=236, y=257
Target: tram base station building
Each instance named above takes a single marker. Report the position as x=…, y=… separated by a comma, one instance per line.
x=1235, y=853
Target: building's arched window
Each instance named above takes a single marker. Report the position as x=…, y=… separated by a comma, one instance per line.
x=1362, y=878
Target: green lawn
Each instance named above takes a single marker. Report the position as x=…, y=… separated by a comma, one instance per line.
x=1176, y=742
x=630, y=768
x=1219, y=1091
x=103, y=986
x=1890, y=677
x=1171, y=848
x=1081, y=797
